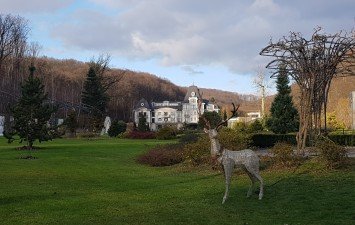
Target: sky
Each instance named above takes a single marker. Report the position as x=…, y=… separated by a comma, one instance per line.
x=208, y=43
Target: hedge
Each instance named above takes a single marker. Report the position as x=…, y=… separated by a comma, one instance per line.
x=343, y=139
x=269, y=140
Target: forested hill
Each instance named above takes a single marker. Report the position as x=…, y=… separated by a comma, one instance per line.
x=64, y=81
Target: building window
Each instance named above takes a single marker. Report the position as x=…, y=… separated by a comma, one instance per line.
x=165, y=113
x=159, y=113
x=159, y=119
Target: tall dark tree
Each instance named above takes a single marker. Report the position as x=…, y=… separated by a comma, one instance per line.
x=32, y=113
x=71, y=123
x=284, y=116
x=212, y=117
x=94, y=95
x=142, y=123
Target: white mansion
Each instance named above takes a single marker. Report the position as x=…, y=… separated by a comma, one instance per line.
x=158, y=114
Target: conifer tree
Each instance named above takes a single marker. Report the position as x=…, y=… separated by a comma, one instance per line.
x=32, y=113
x=94, y=95
x=284, y=116
x=142, y=124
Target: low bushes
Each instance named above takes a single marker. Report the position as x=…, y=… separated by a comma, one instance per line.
x=139, y=135
x=233, y=139
x=198, y=152
x=283, y=155
x=334, y=155
x=166, y=133
x=189, y=137
x=162, y=155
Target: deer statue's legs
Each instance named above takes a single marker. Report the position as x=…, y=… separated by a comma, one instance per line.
x=228, y=166
x=252, y=179
x=261, y=193
x=254, y=172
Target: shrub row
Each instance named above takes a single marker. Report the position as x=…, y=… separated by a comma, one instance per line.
x=269, y=140
x=343, y=139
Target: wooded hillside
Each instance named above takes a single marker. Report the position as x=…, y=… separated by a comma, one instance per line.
x=64, y=81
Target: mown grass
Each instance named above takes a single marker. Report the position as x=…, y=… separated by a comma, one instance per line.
x=99, y=182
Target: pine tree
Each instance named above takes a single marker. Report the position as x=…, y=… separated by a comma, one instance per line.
x=117, y=127
x=94, y=95
x=284, y=116
x=71, y=123
x=142, y=124
x=31, y=113
x=212, y=117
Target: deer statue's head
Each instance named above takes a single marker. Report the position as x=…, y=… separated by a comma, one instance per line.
x=213, y=132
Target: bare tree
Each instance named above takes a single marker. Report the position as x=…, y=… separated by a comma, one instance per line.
x=313, y=64
x=261, y=83
x=102, y=69
x=13, y=34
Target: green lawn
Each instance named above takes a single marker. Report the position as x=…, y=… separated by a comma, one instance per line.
x=99, y=182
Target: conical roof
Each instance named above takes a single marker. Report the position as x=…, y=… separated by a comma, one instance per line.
x=192, y=91
x=143, y=104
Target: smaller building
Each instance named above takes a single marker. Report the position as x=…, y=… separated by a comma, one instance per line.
x=178, y=113
x=251, y=116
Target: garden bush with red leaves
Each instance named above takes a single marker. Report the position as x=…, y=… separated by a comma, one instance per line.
x=140, y=135
x=162, y=155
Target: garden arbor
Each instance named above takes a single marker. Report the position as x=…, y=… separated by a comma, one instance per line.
x=312, y=64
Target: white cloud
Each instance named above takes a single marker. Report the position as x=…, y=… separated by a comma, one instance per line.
x=33, y=6
x=200, y=32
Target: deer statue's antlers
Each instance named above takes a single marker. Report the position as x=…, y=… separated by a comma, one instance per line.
x=234, y=113
x=207, y=123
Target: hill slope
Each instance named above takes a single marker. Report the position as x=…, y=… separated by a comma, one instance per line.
x=64, y=80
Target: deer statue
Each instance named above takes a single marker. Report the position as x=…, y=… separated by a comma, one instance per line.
x=246, y=159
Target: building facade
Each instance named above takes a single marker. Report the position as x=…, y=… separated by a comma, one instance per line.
x=158, y=114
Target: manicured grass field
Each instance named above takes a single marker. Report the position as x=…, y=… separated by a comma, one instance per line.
x=99, y=182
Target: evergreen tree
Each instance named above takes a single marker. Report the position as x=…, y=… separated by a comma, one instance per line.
x=117, y=127
x=71, y=123
x=284, y=116
x=31, y=113
x=255, y=126
x=213, y=117
x=95, y=96
x=142, y=123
